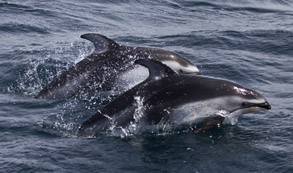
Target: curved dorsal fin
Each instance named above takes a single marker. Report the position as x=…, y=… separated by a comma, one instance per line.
x=101, y=43
x=156, y=68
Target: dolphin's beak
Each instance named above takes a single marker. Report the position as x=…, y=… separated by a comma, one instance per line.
x=191, y=73
x=248, y=107
x=190, y=70
x=265, y=105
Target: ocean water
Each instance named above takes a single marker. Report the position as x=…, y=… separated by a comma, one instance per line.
x=249, y=42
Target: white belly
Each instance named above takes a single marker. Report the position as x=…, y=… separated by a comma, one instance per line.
x=129, y=79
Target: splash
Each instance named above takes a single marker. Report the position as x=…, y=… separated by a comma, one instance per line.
x=64, y=118
x=35, y=76
x=130, y=78
x=138, y=114
x=39, y=67
x=230, y=118
x=135, y=126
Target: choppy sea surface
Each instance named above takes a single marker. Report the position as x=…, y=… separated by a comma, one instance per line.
x=248, y=42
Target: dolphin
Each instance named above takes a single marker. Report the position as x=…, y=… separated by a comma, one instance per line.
x=176, y=99
x=105, y=65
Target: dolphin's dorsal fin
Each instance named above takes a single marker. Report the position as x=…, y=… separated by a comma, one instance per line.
x=101, y=43
x=156, y=68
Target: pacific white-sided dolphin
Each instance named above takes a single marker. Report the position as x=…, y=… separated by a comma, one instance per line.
x=176, y=99
x=100, y=70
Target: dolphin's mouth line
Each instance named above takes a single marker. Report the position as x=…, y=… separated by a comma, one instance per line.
x=264, y=105
x=190, y=73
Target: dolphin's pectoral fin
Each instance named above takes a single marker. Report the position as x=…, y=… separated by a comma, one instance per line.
x=210, y=123
x=101, y=43
x=156, y=68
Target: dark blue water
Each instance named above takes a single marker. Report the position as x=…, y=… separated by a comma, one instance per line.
x=248, y=42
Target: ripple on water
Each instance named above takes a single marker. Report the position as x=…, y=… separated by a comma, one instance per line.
x=248, y=42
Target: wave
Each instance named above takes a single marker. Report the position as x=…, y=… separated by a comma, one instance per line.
x=259, y=6
x=22, y=28
x=277, y=42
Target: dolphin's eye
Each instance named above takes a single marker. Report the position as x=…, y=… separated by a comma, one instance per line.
x=180, y=70
x=244, y=104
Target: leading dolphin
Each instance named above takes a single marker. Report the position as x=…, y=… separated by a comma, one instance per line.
x=100, y=70
x=167, y=97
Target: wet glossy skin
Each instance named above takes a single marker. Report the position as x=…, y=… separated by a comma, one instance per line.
x=100, y=70
x=164, y=92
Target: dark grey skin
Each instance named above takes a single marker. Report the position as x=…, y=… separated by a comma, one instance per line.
x=100, y=70
x=165, y=92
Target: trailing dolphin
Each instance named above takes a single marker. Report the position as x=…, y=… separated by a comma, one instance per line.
x=167, y=97
x=101, y=70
